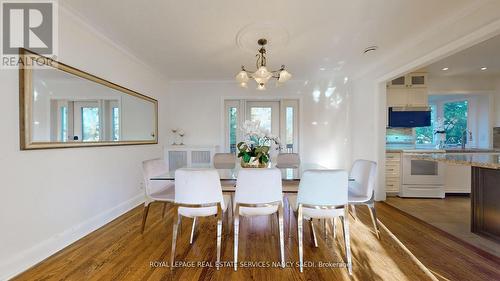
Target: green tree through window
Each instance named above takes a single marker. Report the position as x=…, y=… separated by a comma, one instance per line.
x=425, y=135
x=455, y=113
x=233, y=126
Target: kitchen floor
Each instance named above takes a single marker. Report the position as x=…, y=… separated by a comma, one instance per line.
x=451, y=214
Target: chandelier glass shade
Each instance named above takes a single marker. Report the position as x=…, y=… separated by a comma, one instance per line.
x=262, y=74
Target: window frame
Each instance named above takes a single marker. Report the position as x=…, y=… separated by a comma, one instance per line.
x=241, y=105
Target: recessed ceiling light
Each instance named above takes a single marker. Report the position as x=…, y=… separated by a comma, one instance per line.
x=322, y=68
x=484, y=68
x=444, y=68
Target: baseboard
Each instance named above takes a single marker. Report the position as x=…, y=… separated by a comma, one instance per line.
x=32, y=256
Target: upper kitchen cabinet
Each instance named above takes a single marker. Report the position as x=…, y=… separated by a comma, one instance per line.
x=398, y=83
x=412, y=80
x=417, y=80
x=408, y=91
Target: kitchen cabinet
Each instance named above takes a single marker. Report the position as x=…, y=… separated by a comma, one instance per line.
x=413, y=97
x=457, y=179
x=411, y=80
x=392, y=172
x=408, y=91
x=417, y=97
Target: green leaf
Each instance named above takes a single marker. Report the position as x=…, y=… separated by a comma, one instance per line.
x=246, y=158
x=264, y=159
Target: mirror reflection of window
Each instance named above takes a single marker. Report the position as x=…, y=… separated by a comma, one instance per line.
x=116, y=123
x=90, y=124
x=64, y=124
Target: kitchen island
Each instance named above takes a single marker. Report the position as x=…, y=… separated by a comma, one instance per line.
x=485, y=192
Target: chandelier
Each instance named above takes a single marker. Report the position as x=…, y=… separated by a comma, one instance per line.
x=262, y=75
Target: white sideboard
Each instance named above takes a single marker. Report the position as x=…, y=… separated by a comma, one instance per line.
x=181, y=156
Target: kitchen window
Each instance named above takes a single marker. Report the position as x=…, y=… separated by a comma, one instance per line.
x=454, y=113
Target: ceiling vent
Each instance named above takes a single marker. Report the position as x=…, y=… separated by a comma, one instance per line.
x=370, y=49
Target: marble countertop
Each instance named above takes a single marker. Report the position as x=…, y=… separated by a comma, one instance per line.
x=483, y=160
x=448, y=150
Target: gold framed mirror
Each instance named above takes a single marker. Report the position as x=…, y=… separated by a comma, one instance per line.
x=61, y=106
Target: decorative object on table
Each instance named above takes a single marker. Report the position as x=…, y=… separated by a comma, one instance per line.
x=182, y=134
x=254, y=150
x=262, y=75
x=174, y=132
x=440, y=130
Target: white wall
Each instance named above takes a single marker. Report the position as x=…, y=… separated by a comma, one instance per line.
x=196, y=107
x=51, y=198
x=438, y=85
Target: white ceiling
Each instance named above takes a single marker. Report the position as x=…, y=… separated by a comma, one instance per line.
x=196, y=40
x=470, y=61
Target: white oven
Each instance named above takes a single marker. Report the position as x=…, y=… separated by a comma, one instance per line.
x=422, y=178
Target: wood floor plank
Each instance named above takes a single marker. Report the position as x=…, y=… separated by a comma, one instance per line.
x=118, y=251
x=446, y=258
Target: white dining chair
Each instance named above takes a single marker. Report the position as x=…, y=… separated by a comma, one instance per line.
x=288, y=160
x=258, y=193
x=322, y=195
x=224, y=160
x=156, y=190
x=362, y=189
x=198, y=193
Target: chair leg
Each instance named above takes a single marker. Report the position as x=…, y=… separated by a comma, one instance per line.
x=334, y=226
x=347, y=241
x=353, y=212
x=229, y=209
x=180, y=225
x=289, y=222
x=300, y=238
x=282, y=240
x=236, y=229
x=373, y=215
x=192, y=231
x=164, y=208
x=219, y=238
x=313, y=233
x=144, y=216
x=271, y=218
x=324, y=229
x=174, y=239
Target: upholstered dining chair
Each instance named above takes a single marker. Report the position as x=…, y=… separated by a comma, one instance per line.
x=198, y=193
x=288, y=160
x=258, y=193
x=224, y=160
x=322, y=195
x=361, y=189
x=156, y=191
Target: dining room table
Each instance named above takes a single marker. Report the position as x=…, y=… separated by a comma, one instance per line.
x=290, y=175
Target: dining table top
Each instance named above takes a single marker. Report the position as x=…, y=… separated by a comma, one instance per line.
x=290, y=175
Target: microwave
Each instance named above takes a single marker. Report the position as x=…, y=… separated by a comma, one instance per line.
x=409, y=117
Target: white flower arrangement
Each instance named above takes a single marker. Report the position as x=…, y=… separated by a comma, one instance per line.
x=257, y=143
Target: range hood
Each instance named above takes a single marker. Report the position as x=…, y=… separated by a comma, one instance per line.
x=409, y=117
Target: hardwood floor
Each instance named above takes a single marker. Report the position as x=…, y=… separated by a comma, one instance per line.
x=118, y=251
x=442, y=254
x=452, y=214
